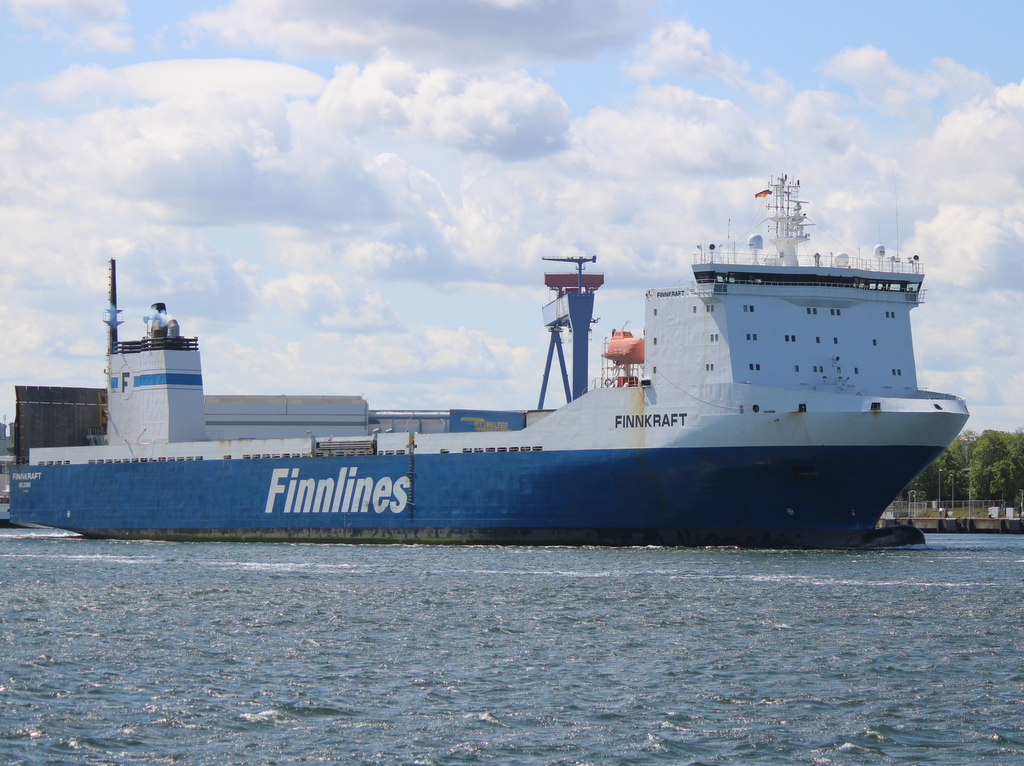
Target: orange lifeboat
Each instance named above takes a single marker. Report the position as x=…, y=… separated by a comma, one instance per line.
x=623, y=348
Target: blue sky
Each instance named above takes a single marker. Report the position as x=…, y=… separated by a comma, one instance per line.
x=354, y=197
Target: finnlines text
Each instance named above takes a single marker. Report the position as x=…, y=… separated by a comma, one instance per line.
x=654, y=420
x=349, y=494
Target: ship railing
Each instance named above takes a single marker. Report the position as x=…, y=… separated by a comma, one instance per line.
x=156, y=344
x=923, y=393
x=953, y=508
x=724, y=284
x=890, y=264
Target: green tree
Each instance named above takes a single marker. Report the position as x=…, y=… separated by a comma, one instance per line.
x=950, y=469
x=997, y=465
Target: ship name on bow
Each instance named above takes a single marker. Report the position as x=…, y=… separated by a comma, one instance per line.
x=651, y=420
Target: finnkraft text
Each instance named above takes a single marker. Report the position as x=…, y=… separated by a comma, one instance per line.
x=653, y=420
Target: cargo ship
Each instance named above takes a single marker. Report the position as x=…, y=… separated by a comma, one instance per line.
x=772, y=401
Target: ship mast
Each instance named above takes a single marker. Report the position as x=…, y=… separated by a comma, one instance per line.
x=112, y=316
x=786, y=211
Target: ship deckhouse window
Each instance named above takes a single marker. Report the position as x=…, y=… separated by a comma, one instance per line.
x=694, y=309
x=755, y=367
x=709, y=367
x=874, y=341
x=790, y=339
x=655, y=312
x=709, y=307
x=835, y=340
x=751, y=336
x=655, y=341
x=796, y=368
x=714, y=337
x=836, y=312
x=817, y=339
x=856, y=370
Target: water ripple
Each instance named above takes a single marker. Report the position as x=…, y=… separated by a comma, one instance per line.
x=130, y=653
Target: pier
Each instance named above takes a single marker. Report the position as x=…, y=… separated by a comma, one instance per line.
x=961, y=517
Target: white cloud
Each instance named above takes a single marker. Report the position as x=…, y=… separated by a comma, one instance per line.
x=513, y=116
x=677, y=48
x=94, y=24
x=189, y=79
x=34, y=12
x=325, y=302
x=894, y=90
x=816, y=118
x=672, y=131
x=472, y=32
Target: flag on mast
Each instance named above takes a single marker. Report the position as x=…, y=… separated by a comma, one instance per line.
x=764, y=193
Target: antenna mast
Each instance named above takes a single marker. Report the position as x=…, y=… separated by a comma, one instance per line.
x=112, y=316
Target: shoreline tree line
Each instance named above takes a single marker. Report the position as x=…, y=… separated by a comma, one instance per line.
x=986, y=466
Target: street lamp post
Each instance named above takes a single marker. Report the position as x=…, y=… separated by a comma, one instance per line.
x=940, y=493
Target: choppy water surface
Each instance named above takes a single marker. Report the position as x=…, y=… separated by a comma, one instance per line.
x=123, y=653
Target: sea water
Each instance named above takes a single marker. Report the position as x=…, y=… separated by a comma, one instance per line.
x=141, y=652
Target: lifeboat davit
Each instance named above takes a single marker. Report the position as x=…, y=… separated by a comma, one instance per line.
x=623, y=348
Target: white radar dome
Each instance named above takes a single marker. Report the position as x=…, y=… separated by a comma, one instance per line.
x=842, y=260
x=756, y=242
x=879, y=251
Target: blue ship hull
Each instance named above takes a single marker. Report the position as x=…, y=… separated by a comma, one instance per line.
x=754, y=497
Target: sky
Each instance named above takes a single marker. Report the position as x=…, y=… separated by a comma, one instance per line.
x=355, y=197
